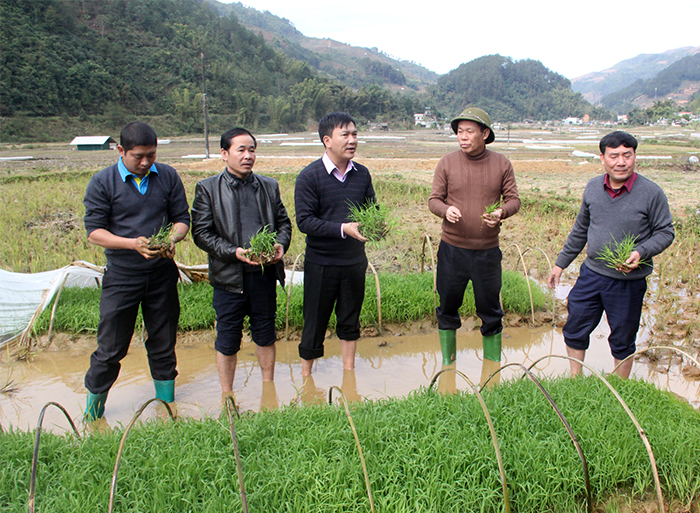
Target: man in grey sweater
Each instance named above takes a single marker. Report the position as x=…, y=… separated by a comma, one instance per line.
x=617, y=205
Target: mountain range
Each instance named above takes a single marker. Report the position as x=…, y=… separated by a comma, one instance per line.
x=109, y=61
x=594, y=86
x=357, y=66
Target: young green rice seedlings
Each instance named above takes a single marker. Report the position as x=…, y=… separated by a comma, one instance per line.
x=489, y=210
x=375, y=220
x=615, y=254
x=160, y=240
x=262, y=246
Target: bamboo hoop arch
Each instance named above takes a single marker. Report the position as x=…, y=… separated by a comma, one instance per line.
x=426, y=238
x=37, y=441
x=567, y=426
x=642, y=351
x=55, y=304
x=642, y=434
x=122, y=444
x=230, y=408
x=549, y=264
x=289, y=296
x=492, y=430
x=527, y=279
x=379, y=298
x=357, y=441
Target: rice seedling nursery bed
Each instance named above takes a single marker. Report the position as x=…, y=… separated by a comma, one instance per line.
x=426, y=452
x=405, y=298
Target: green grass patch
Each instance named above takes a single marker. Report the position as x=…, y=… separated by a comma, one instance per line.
x=549, y=205
x=426, y=452
x=405, y=298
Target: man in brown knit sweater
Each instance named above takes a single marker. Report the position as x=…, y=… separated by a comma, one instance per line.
x=466, y=182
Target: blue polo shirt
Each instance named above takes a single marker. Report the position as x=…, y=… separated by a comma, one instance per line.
x=141, y=186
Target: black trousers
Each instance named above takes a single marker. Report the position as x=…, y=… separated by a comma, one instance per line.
x=122, y=293
x=455, y=268
x=326, y=287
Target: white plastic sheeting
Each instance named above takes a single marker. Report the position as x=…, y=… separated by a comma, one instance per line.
x=24, y=296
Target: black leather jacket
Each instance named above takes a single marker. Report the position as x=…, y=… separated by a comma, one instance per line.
x=216, y=225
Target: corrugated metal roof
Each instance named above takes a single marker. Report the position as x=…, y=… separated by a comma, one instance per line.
x=93, y=139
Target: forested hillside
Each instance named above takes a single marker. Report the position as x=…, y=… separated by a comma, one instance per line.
x=82, y=58
x=668, y=82
x=71, y=67
x=509, y=90
x=353, y=66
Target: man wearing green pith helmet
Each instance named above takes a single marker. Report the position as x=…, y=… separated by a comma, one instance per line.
x=466, y=183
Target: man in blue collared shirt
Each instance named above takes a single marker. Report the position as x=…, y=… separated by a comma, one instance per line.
x=125, y=204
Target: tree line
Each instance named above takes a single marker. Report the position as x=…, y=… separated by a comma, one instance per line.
x=88, y=58
x=144, y=57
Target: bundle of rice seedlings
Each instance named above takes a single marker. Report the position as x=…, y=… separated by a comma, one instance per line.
x=615, y=254
x=489, y=210
x=375, y=220
x=262, y=246
x=160, y=240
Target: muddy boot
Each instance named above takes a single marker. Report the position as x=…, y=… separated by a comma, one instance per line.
x=448, y=343
x=492, y=347
x=95, y=407
x=165, y=390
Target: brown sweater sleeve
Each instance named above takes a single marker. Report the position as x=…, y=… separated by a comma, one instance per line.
x=438, y=194
x=509, y=191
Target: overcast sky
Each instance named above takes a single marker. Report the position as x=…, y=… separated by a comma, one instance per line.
x=571, y=38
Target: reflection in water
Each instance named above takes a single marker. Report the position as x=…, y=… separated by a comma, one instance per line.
x=349, y=386
x=488, y=369
x=310, y=394
x=386, y=366
x=269, y=400
x=447, y=382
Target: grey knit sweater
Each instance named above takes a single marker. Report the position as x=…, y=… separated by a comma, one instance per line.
x=642, y=212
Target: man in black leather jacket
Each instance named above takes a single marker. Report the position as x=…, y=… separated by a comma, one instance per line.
x=228, y=209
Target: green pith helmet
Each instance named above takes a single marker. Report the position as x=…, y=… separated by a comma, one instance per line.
x=478, y=115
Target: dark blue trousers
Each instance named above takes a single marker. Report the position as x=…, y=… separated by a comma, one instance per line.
x=258, y=301
x=621, y=300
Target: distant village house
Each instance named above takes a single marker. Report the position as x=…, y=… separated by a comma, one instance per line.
x=425, y=119
x=93, y=143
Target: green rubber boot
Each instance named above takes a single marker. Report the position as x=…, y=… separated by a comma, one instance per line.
x=492, y=347
x=448, y=342
x=165, y=390
x=95, y=407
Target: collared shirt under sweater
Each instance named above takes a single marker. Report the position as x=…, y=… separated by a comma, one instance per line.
x=641, y=212
x=323, y=204
x=118, y=207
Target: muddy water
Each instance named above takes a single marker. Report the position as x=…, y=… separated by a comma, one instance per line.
x=386, y=366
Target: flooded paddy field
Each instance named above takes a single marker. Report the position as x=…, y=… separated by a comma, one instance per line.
x=552, y=166
x=387, y=366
